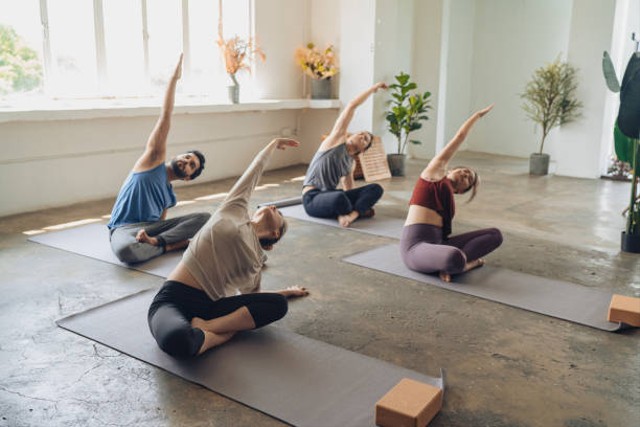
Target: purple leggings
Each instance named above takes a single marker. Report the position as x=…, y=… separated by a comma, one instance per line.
x=423, y=249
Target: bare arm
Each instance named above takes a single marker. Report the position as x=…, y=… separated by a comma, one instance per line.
x=347, y=181
x=437, y=166
x=240, y=193
x=156, y=149
x=339, y=131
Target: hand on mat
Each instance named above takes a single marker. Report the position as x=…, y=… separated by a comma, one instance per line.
x=294, y=292
x=282, y=143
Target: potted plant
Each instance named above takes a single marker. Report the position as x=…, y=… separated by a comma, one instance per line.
x=407, y=109
x=550, y=101
x=627, y=140
x=237, y=55
x=320, y=66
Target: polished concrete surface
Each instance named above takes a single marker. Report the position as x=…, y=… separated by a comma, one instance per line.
x=505, y=366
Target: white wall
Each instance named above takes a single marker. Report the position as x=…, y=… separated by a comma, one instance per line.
x=459, y=68
x=280, y=29
x=427, y=46
x=512, y=39
x=56, y=163
x=578, y=144
x=392, y=54
x=357, y=44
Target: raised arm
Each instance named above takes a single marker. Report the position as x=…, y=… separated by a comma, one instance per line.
x=156, y=149
x=341, y=125
x=438, y=165
x=239, y=195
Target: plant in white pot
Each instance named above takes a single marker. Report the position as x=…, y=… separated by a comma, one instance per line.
x=550, y=101
x=407, y=109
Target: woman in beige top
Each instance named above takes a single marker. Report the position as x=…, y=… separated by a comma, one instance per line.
x=198, y=308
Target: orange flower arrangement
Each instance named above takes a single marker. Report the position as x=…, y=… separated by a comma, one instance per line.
x=238, y=54
x=317, y=64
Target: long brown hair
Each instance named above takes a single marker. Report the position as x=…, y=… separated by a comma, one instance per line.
x=474, y=184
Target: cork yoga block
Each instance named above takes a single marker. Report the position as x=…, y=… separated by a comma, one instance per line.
x=625, y=310
x=409, y=404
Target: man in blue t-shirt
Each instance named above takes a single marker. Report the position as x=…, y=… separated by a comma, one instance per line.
x=138, y=228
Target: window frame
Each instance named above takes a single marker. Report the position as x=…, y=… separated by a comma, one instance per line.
x=101, y=50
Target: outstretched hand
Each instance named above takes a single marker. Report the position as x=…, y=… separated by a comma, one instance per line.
x=294, y=292
x=485, y=110
x=380, y=85
x=282, y=143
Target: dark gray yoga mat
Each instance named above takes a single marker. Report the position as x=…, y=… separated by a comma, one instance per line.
x=283, y=203
x=295, y=379
x=379, y=225
x=92, y=240
x=555, y=298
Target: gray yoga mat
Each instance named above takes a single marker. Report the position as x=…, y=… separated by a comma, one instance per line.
x=283, y=203
x=295, y=379
x=556, y=298
x=379, y=225
x=92, y=240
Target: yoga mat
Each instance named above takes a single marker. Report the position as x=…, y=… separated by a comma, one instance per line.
x=283, y=203
x=379, y=225
x=556, y=298
x=293, y=378
x=92, y=240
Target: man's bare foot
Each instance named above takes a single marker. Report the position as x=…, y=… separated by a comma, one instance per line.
x=445, y=277
x=346, y=220
x=294, y=291
x=143, y=237
x=474, y=264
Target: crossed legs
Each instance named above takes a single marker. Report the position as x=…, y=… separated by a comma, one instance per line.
x=186, y=322
x=423, y=249
x=140, y=242
x=346, y=206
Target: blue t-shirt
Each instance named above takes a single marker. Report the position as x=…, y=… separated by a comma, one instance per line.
x=143, y=197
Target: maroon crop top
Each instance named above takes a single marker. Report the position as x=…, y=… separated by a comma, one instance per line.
x=438, y=196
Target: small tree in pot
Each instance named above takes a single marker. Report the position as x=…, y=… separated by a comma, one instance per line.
x=407, y=109
x=550, y=101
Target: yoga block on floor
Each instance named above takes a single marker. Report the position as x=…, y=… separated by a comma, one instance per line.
x=408, y=404
x=624, y=309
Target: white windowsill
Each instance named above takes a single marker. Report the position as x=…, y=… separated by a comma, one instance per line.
x=72, y=110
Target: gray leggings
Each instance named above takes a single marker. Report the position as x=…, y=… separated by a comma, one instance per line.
x=169, y=231
x=423, y=249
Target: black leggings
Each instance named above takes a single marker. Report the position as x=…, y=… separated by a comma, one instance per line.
x=176, y=304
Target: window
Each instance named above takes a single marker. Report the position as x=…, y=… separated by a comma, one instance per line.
x=114, y=48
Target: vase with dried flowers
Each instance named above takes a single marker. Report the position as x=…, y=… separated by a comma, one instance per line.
x=237, y=54
x=320, y=66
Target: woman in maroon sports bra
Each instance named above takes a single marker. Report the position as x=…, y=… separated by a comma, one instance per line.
x=426, y=245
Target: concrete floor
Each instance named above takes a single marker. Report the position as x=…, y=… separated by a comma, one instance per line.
x=505, y=366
